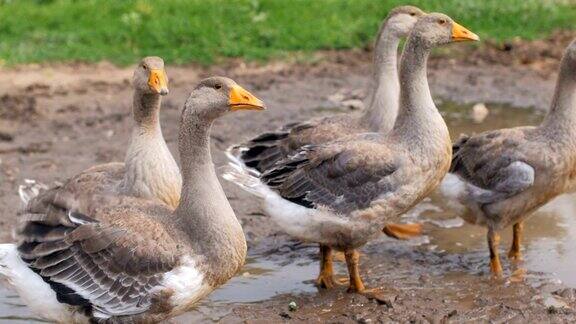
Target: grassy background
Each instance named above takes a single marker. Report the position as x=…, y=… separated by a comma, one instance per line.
x=201, y=31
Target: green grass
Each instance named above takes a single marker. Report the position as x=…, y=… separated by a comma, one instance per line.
x=202, y=31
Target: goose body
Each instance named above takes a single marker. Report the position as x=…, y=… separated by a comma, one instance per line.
x=340, y=194
x=263, y=152
x=149, y=170
x=122, y=259
x=501, y=177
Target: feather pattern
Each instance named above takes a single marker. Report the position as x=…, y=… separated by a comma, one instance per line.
x=334, y=175
x=91, y=262
x=265, y=150
x=495, y=161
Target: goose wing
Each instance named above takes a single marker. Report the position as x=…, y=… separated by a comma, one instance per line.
x=344, y=175
x=105, y=263
x=264, y=151
x=494, y=161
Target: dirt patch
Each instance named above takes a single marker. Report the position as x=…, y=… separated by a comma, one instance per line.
x=59, y=120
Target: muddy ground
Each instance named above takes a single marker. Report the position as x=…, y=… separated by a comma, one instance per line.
x=56, y=120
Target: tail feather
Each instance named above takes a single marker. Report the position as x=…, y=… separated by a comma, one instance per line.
x=260, y=153
x=30, y=189
x=33, y=291
x=234, y=155
x=244, y=179
x=453, y=192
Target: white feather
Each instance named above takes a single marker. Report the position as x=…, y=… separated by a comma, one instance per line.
x=294, y=219
x=187, y=284
x=33, y=291
x=453, y=190
x=233, y=153
x=30, y=189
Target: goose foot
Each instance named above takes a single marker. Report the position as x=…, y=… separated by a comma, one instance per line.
x=518, y=275
x=356, y=285
x=326, y=281
x=326, y=277
x=403, y=231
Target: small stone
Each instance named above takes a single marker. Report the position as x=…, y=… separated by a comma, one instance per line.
x=479, y=113
x=292, y=306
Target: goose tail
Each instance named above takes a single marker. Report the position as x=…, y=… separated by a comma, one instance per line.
x=453, y=191
x=30, y=189
x=245, y=179
x=234, y=153
x=32, y=289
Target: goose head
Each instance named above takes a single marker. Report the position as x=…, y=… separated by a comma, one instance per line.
x=218, y=96
x=437, y=29
x=401, y=20
x=150, y=76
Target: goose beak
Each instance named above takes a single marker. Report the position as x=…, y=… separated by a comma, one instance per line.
x=240, y=99
x=461, y=34
x=158, y=81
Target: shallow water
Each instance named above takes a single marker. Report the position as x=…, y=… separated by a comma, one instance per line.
x=549, y=245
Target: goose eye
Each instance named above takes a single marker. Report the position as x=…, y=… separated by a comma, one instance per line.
x=442, y=21
x=412, y=14
x=144, y=67
x=217, y=86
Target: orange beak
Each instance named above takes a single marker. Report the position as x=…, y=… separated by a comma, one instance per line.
x=460, y=34
x=240, y=99
x=158, y=81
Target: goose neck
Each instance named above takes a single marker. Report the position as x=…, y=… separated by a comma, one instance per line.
x=382, y=98
x=561, y=117
x=146, y=144
x=146, y=111
x=204, y=212
x=417, y=110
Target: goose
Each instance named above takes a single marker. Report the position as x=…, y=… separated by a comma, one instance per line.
x=149, y=170
x=499, y=178
x=262, y=152
x=116, y=258
x=340, y=194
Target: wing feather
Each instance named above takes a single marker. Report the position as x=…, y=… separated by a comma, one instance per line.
x=333, y=175
x=102, y=267
x=494, y=162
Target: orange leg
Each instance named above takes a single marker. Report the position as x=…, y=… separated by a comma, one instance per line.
x=352, y=262
x=403, y=231
x=493, y=243
x=356, y=284
x=326, y=276
x=515, y=253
